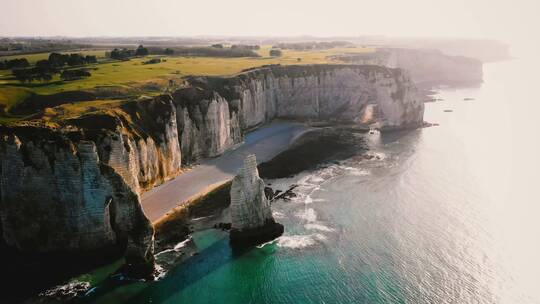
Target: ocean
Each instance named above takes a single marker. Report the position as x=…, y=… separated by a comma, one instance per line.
x=445, y=214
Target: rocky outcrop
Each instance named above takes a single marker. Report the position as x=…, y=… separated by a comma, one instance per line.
x=73, y=185
x=251, y=216
x=206, y=124
x=146, y=151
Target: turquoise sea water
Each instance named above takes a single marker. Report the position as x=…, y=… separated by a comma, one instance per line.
x=446, y=214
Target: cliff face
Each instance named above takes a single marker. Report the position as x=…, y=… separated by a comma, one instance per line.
x=206, y=124
x=431, y=66
x=146, y=149
x=75, y=186
x=332, y=93
x=213, y=113
x=58, y=197
x=425, y=66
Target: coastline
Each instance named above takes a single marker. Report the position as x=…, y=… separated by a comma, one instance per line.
x=265, y=142
x=208, y=210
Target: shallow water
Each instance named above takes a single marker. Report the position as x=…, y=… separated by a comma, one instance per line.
x=446, y=214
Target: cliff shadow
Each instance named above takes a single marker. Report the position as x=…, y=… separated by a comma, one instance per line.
x=180, y=277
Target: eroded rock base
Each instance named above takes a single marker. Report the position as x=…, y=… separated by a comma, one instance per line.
x=256, y=236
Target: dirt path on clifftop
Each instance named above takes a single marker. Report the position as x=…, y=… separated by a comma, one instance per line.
x=265, y=142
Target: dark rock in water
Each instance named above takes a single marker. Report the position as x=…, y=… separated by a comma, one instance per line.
x=287, y=195
x=369, y=156
x=66, y=292
x=256, y=236
x=139, y=268
x=140, y=253
x=429, y=124
x=251, y=217
x=269, y=193
x=223, y=226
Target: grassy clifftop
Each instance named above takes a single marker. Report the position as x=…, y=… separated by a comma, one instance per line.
x=128, y=79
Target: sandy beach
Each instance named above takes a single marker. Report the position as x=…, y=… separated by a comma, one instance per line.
x=265, y=143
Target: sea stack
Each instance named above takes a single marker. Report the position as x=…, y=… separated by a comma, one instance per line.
x=251, y=216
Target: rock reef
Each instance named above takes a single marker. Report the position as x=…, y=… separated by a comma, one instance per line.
x=251, y=216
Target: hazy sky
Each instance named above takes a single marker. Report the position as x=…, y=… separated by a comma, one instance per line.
x=514, y=21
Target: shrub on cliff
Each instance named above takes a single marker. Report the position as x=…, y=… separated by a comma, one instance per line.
x=152, y=61
x=121, y=54
x=16, y=63
x=74, y=74
x=141, y=51
x=43, y=71
x=275, y=53
x=207, y=51
x=59, y=60
x=245, y=46
x=29, y=75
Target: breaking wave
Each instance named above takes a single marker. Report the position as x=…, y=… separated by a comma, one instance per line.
x=176, y=247
x=277, y=214
x=307, y=214
x=319, y=227
x=311, y=230
x=356, y=171
x=300, y=241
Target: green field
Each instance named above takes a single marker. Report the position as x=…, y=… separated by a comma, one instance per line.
x=136, y=76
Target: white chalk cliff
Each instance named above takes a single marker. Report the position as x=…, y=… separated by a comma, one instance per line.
x=213, y=113
x=425, y=66
x=249, y=206
x=76, y=187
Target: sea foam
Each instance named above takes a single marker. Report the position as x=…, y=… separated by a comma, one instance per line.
x=307, y=214
x=320, y=227
x=300, y=241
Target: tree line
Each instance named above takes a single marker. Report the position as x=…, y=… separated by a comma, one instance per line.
x=45, y=69
x=275, y=53
x=313, y=45
x=60, y=60
x=125, y=54
x=16, y=63
x=216, y=50
x=245, y=46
